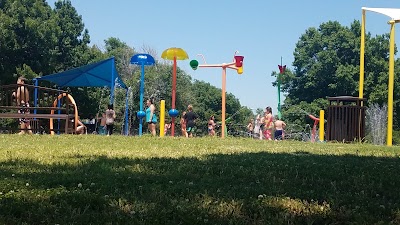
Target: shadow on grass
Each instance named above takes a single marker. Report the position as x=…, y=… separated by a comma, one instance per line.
x=249, y=188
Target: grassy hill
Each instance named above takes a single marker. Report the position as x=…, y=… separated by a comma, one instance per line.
x=144, y=180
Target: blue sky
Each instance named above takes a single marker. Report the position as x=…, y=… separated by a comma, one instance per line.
x=262, y=31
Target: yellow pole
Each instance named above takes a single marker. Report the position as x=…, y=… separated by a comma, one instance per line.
x=362, y=54
x=321, y=125
x=162, y=117
x=391, y=85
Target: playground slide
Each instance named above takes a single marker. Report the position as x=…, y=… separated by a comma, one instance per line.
x=72, y=100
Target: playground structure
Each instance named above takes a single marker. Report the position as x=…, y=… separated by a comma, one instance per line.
x=70, y=101
x=46, y=102
x=174, y=54
x=314, y=129
x=308, y=133
x=298, y=133
x=142, y=60
x=102, y=74
x=237, y=65
x=321, y=121
x=313, y=133
x=394, y=14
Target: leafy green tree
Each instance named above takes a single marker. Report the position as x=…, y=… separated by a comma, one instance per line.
x=27, y=38
x=36, y=40
x=72, y=48
x=122, y=54
x=326, y=63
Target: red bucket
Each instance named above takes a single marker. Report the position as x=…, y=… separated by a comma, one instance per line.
x=239, y=60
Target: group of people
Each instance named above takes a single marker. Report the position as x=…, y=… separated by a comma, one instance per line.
x=263, y=126
x=187, y=122
x=106, y=122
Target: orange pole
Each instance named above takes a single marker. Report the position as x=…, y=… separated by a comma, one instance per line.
x=230, y=65
x=75, y=111
x=223, y=100
x=173, y=96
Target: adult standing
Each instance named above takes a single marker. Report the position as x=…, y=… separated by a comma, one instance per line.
x=269, y=124
x=151, y=117
x=110, y=118
x=190, y=118
x=22, y=97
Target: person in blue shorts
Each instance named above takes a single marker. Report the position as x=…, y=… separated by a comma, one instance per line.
x=102, y=127
x=190, y=118
x=279, y=130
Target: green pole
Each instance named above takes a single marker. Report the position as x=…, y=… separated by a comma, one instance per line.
x=279, y=96
x=279, y=77
x=226, y=128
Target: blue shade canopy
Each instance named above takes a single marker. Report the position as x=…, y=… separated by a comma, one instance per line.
x=100, y=74
x=146, y=59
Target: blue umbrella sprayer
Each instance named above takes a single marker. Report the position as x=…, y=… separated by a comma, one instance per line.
x=142, y=60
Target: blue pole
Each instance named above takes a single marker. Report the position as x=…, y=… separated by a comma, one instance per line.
x=141, y=98
x=35, y=95
x=112, y=82
x=126, y=111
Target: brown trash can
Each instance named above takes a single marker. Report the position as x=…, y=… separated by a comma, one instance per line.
x=346, y=119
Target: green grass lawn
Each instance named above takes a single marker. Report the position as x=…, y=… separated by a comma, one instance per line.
x=143, y=180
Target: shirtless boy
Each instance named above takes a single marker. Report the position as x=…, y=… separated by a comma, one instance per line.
x=279, y=126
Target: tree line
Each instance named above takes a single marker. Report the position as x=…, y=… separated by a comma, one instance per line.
x=38, y=40
x=327, y=64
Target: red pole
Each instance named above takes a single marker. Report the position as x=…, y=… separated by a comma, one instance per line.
x=173, y=95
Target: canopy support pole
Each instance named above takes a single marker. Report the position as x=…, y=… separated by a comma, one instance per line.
x=112, y=82
x=127, y=111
